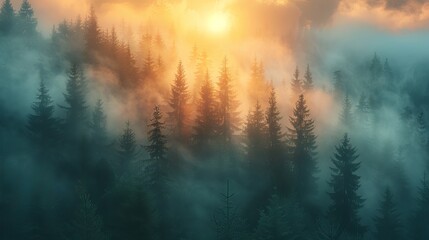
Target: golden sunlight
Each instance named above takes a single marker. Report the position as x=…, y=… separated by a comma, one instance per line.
x=218, y=23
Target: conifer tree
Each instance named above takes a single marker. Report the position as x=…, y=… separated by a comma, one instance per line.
x=7, y=18
x=296, y=83
x=273, y=118
x=346, y=113
x=376, y=69
x=419, y=222
x=421, y=131
x=227, y=109
x=387, y=222
x=308, y=79
x=205, y=128
x=256, y=130
x=179, y=98
x=127, y=148
x=27, y=21
x=303, y=145
x=75, y=102
x=93, y=32
x=344, y=182
x=200, y=72
x=149, y=65
x=157, y=147
x=42, y=125
x=98, y=124
x=257, y=85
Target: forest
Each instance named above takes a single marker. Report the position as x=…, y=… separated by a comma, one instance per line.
x=117, y=132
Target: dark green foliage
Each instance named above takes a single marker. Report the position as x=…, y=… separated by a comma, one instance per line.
x=345, y=184
x=27, y=21
x=127, y=149
x=178, y=102
x=227, y=109
x=302, y=142
x=273, y=118
x=157, y=147
x=296, y=83
x=42, y=125
x=98, y=124
x=92, y=32
x=205, y=124
x=75, y=99
x=308, y=79
x=419, y=222
x=7, y=18
x=387, y=223
x=256, y=132
x=346, y=116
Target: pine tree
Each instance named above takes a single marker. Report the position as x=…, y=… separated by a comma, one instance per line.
x=376, y=69
x=257, y=86
x=419, y=222
x=387, y=222
x=98, y=124
x=27, y=21
x=273, y=118
x=346, y=202
x=93, y=33
x=421, y=131
x=76, y=103
x=157, y=147
x=127, y=149
x=200, y=72
x=296, y=83
x=149, y=65
x=227, y=111
x=42, y=125
x=308, y=79
x=7, y=17
x=113, y=43
x=88, y=224
x=256, y=130
x=346, y=113
x=206, y=116
x=303, y=145
x=179, y=98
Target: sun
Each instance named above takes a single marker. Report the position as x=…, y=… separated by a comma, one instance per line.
x=218, y=23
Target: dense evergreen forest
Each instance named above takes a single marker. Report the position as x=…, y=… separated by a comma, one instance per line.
x=104, y=139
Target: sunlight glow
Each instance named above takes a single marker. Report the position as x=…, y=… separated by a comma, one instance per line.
x=218, y=23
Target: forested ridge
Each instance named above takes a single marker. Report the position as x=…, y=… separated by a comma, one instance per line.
x=102, y=138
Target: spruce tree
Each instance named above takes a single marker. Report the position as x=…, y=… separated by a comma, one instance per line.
x=179, y=98
x=346, y=113
x=344, y=182
x=387, y=222
x=256, y=130
x=75, y=103
x=42, y=125
x=227, y=108
x=296, y=83
x=308, y=79
x=419, y=222
x=205, y=128
x=273, y=118
x=376, y=70
x=98, y=124
x=93, y=33
x=27, y=21
x=149, y=65
x=302, y=146
x=127, y=149
x=157, y=147
x=7, y=18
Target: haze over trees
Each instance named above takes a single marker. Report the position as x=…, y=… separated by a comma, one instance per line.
x=103, y=138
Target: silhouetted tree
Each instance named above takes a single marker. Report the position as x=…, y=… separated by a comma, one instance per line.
x=387, y=222
x=227, y=109
x=75, y=95
x=205, y=128
x=308, y=79
x=27, y=21
x=376, y=69
x=157, y=147
x=257, y=85
x=178, y=102
x=7, y=18
x=42, y=125
x=296, y=83
x=127, y=149
x=149, y=65
x=346, y=117
x=256, y=132
x=346, y=201
x=92, y=33
x=303, y=145
x=98, y=124
x=200, y=72
x=419, y=222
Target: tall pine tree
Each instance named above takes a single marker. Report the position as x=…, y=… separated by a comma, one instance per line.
x=308, y=79
x=387, y=222
x=302, y=142
x=7, y=18
x=27, y=21
x=419, y=222
x=98, y=124
x=179, y=98
x=256, y=130
x=344, y=182
x=346, y=113
x=127, y=149
x=296, y=83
